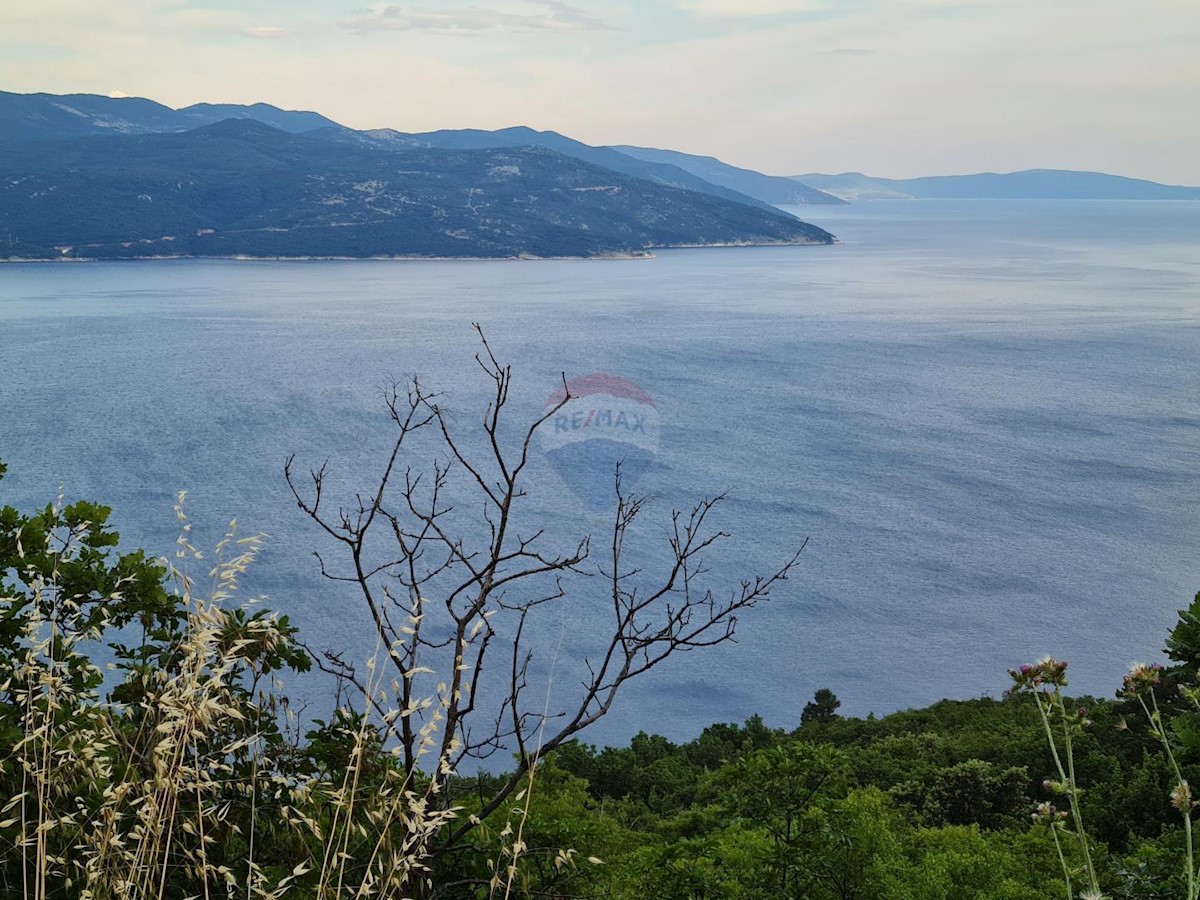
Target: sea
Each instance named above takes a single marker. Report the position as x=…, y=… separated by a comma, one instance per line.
x=983, y=417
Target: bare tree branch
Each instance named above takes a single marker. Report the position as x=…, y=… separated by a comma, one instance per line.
x=440, y=599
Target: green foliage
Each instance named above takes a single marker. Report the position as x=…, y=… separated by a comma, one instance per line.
x=60, y=565
x=963, y=863
x=1183, y=644
x=928, y=804
x=968, y=793
x=822, y=709
x=777, y=788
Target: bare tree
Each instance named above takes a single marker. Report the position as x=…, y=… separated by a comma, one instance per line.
x=456, y=610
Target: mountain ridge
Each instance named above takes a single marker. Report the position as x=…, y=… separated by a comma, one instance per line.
x=42, y=115
x=777, y=190
x=35, y=116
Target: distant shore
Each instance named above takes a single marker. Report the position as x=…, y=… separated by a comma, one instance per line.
x=239, y=257
x=246, y=258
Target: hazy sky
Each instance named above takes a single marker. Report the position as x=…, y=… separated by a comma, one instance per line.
x=890, y=87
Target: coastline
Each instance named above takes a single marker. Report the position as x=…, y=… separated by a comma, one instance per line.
x=524, y=257
x=16, y=260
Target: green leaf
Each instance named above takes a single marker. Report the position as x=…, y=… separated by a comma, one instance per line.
x=1184, y=643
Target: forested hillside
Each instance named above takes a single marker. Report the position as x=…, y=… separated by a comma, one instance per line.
x=242, y=188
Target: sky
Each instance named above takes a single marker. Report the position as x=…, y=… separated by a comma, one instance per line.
x=893, y=88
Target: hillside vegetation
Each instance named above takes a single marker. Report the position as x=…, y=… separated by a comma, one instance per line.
x=184, y=772
x=242, y=188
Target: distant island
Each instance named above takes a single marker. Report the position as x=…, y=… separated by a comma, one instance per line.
x=90, y=177
x=1031, y=184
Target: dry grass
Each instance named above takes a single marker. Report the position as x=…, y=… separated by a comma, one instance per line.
x=144, y=801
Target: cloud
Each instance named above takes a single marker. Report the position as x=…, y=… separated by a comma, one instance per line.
x=117, y=95
x=558, y=17
x=263, y=31
x=753, y=9
x=762, y=9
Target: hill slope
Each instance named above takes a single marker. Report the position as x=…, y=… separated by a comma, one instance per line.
x=772, y=189
x=242, y=188
x=605, y=157
x=1032, y=184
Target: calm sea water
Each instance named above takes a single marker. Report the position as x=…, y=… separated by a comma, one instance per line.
x=984, y=415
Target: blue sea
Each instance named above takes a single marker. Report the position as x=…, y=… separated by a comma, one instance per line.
x=984, y=416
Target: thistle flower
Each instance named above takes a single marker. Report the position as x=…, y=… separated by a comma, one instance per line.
x=1142, y=679
x=1049, y=672
x=1048, y=814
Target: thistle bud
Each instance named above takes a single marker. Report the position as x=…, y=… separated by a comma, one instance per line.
x=1181, y=797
